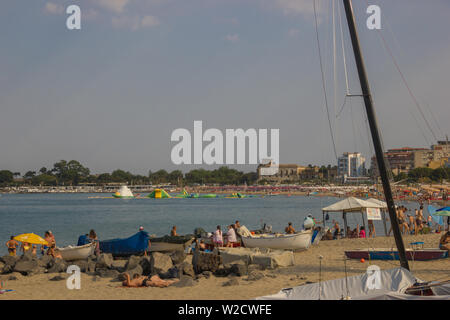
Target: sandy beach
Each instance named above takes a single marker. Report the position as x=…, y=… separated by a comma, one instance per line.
x=306, y=269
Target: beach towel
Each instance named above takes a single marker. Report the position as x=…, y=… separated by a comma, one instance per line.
x=5, y=290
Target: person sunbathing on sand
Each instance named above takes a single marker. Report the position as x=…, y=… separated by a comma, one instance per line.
x=143, y=281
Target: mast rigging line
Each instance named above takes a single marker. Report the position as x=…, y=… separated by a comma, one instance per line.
x=323, y=80
x=416, y=102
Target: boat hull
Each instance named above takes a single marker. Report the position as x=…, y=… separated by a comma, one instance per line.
x=298, y=241
x=387, y=254
x=77, y=253
x=166, y=246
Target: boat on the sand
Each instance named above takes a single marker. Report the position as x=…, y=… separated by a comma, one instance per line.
x=297, y=241
x=390, y=254
x=71, y=253
x=137, y=244
x=171, y=243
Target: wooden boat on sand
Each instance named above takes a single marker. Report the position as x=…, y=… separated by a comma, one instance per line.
x=71, y=253
x=296, y=241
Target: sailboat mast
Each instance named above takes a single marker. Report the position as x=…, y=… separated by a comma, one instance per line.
x=375, y=132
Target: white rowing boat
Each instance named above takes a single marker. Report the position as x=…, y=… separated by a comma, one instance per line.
x=296, y=241
x=170, y=243
x=71, y=253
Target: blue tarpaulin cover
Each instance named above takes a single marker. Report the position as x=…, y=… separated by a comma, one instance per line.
x=135, y=244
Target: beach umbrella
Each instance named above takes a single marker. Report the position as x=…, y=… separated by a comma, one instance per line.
x=30, y=238
x=438, y=219
x=443, y=212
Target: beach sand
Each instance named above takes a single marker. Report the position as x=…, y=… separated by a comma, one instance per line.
x=306, y=269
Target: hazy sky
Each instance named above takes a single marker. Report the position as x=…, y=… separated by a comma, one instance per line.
x=110, y=94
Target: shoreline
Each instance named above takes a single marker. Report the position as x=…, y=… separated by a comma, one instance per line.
x=306, y=269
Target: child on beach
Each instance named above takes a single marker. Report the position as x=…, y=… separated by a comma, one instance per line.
x=217, y=237
x=362, y=232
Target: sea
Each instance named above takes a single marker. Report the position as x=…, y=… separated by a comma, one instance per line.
x=69, y=215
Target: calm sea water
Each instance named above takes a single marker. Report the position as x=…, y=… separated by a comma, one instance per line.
x=70, y=215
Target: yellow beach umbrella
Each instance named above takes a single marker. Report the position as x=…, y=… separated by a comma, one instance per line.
x=30, y=238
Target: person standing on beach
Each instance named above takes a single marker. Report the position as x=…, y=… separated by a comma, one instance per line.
x=231, y=236
x=173, y=232
x=12, y=245
x=412, y=223
x=217, y=237
x=93, y=239
x=149, y=244
x=50, y=240
x=419, y=219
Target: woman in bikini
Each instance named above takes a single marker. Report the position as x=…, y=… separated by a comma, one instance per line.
x=12, y=246
x=143, y=281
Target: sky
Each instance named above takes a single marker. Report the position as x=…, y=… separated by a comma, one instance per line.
x=111, y=94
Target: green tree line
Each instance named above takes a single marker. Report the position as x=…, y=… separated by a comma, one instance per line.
x=74, y=173
x=424, y=175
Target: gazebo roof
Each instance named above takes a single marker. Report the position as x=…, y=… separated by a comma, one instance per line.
x=352, y=204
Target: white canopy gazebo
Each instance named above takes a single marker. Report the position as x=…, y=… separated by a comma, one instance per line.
x=352, y=204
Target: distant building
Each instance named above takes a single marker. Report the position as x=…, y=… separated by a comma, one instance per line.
x=403, y=160
x=351, y=164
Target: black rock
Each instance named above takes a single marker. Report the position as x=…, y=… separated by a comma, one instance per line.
x=207, y=274
x=137, y=270
x=171, y=273
x=187, y=269
x=58, y=266
x=203, y=261
x=46, y=261
x=26, y=267
x=104, y=261
x=9, y=260
x=91, y=263
x=223, y=271
x=107, y=273
x=146, y=265
x=160, y=263
x=27, y=256
x=132, y=262
x=239, y=269
x=118, y=265
x=185, y=281
x=177, y=257
x=82, y=264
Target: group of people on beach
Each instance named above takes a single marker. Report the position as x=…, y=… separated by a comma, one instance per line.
x=231, y=235
x=49, y=249
x=413, y=224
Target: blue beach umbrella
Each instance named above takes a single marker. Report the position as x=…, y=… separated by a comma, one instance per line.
x=443, y=212
x=438, y=219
